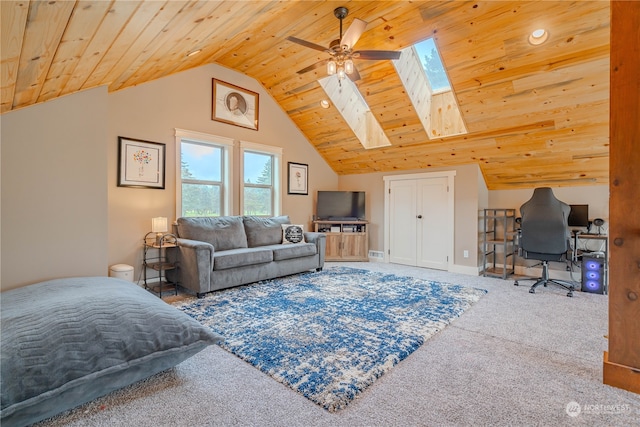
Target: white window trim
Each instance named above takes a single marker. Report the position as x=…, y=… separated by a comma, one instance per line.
x=227, y=160
x=276, y=152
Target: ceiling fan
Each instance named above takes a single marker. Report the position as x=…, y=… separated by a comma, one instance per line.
x=341, y=50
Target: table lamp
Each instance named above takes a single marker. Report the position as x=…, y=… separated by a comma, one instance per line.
x=159, y=226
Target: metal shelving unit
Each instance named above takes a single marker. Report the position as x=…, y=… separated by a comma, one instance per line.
x=155, y=258
x=498, y=242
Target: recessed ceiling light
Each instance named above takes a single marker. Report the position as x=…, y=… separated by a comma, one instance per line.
x=538, y=36
x=325, y=104
x=194, y=52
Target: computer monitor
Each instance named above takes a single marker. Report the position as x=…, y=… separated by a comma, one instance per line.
x=579, y=216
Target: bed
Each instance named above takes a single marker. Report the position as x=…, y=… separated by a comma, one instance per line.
x=65, y=342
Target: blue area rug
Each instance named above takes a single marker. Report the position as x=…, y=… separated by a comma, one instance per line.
x=329, y=335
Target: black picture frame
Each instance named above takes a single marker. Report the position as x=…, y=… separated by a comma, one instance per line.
x=298, y=178
x=141, y=163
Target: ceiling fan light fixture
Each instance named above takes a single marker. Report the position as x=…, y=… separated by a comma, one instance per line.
x=348, y=66
x=331, y=68
x=341, y=73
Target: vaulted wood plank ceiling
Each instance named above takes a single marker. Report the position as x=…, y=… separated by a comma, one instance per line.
x=535, y=115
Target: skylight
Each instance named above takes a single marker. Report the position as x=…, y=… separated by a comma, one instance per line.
x=432, y=64
x=426, y=83
x=354, y=109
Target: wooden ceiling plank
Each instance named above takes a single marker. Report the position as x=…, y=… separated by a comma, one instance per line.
x=113, y=23
x=124, y=46
x=181, y=36
x=14, y=20
x=45, y=26
x=153, y=38
x=85, y=19
x=146, y=29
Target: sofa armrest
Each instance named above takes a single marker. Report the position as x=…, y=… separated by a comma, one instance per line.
x=320, y=240
x=195, y=261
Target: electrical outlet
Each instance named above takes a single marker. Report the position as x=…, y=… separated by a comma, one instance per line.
x=465, y=254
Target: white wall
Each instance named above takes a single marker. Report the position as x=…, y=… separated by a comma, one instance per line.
x=153, y=110
x=467, y=200
x=54, y=190
x=62, y=211
x=471, y=198
x=596, y=196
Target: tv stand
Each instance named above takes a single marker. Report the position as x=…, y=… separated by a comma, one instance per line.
x=347, y=240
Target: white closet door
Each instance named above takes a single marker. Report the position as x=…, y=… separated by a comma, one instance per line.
x=419, y=222
x=432, y=228
x=402, y=222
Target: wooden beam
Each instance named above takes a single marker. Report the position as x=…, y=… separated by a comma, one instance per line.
x=621, y=365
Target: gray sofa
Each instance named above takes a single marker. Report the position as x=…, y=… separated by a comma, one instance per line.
x=222, y=252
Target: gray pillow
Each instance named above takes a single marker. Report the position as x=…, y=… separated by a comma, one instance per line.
x=68, y=341
x=223, y=232
x=264, y=231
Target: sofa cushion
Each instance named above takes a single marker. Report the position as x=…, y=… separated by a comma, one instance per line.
x=224, y=232
x=281, y=252
x=241, y=257
x=292, y=233
x=264, y=231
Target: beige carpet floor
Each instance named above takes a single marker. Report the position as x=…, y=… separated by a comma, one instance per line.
x=514, y=358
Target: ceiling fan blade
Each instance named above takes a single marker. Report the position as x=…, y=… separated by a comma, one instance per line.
x=307, y=44
x=312, y=66
x=355, y=76
x=376, y=54
x=353, y=33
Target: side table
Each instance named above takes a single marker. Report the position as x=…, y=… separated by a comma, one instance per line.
x=155, y=258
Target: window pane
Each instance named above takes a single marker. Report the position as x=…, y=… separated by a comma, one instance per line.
x=201, y=162
x=257, y=201
x=432, y=64
x=257, y=168
x=200, y=200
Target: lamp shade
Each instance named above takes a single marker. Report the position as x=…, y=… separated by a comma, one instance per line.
x=331, y=67
x=348, y=66
x=159, y=224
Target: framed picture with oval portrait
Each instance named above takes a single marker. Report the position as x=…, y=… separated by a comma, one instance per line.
x=234, y=105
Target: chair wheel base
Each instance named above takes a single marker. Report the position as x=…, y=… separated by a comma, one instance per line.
x=532, y=291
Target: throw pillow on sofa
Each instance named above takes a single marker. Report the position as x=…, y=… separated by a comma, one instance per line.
x=292, y=233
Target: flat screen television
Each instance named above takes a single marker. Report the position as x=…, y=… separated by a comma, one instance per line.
x=340, y=205
x=579, y=216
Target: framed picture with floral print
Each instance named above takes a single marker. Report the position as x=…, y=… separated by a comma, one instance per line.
x=298, y=178
x=140, y=163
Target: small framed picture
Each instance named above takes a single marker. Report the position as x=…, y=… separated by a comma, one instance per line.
x=234, y=105
x=140, y=163
x=298, y=178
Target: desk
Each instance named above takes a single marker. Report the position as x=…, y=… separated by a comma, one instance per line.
x=581, y=243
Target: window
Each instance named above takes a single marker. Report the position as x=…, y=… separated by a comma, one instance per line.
x=203, y=182
x=260, y=180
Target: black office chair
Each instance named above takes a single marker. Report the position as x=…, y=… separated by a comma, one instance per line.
x=544, y=234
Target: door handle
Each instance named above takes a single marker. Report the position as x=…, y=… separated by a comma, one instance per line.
x=419, y=217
